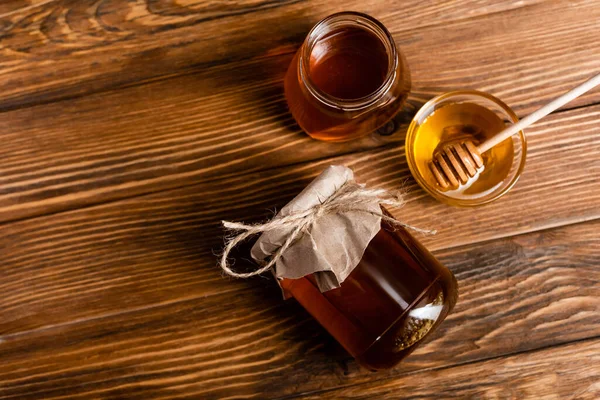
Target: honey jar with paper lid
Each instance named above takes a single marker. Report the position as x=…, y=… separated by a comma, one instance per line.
x=358, y=271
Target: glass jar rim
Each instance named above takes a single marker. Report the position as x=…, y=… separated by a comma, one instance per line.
x=336, y=21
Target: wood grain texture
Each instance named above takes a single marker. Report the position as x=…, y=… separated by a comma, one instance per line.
x=55, y=49
x=161, y=248
x=230, y=119
x=516, y=294
x=132, y=128
x=545, y=374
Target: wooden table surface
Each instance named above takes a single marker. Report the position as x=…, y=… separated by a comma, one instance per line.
x=130, y=129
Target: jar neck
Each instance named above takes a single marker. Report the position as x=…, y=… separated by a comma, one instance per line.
x=336, y=22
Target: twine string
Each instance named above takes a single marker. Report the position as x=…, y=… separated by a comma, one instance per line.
x=349, y=198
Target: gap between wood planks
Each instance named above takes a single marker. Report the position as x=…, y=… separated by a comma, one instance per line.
x=194, y=68
x=442, y=368
x=190, y=213
x=187, y=376
x=103, y=170
x=236, y=289
x=241, y=174
x=213, y=179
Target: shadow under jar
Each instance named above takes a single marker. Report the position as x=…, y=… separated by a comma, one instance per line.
x=347, y=79
x=395, y=297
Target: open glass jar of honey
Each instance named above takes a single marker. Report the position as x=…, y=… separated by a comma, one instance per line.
x=354, y=268
x=347, y=79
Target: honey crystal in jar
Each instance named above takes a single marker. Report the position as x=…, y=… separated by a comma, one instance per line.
x=354, y=268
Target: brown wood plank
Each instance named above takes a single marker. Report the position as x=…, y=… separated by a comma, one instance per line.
x=60, y=49
x=524, y=293
x=160, y=248
x=227, y=120
x=571, y=372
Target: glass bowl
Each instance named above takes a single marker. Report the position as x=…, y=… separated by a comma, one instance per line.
x=463, y=197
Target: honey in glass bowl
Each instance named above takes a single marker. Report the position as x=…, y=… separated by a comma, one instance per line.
x=466, y=115
x=348, y=78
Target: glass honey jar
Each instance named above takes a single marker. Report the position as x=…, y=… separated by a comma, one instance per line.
x=354, y=268
x=347, y=79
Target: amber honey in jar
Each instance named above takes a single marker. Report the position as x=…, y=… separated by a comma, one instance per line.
x=347, y=79
x=468, y=115
x=396, y=296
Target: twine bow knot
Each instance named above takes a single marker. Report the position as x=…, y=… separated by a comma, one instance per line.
x=350, y=197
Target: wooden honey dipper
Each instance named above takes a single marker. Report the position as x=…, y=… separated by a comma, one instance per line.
x=456, y=161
